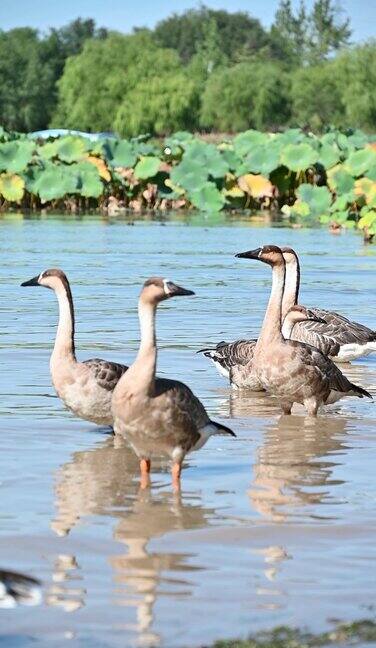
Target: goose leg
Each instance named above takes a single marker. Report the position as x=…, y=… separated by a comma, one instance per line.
x=311, y=405
x=286, y=407
x=145, y=472
x=176, y=472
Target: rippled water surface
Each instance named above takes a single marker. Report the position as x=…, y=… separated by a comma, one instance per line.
x=275, y=526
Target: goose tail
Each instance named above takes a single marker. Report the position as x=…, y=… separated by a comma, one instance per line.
x=222, y=429
x=360, y=392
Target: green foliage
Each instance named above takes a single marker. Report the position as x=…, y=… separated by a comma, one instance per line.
x=238, y=33
x=327, y=179
x=317, y=96
x=247, y=95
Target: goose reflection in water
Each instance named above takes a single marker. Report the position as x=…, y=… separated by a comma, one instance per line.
x=104, y=481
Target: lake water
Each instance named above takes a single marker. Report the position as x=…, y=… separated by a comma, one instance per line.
x=274, y=527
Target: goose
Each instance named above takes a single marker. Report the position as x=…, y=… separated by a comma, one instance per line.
x=293, y=371
x=17, y=588
x=84, y=387
x=159, y=415
x=337, y=337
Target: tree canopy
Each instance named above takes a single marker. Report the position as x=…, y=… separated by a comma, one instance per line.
x=203, y=68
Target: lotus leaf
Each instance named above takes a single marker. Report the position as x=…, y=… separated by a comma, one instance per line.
x=317, y=198
x=328, y=156
x=340, y=180
x=54, y=182
x=208, y=156
x=12, y=187
x=245, y=142
x=207, y=198
x=101, y=166
x=232, y=160
x=291, y=136
x=178, y=191
x=189, y=174
x=371, y=173
x=300, y=208
x=263, y=159
x=89, y=183
x=357, y=140
x=367, y=188
x=368, y=221
x=15, y=156
x=299, y=157
x=147, y=167
x=256, y=186
x=120, y=153
x=342, y=201
x=359, y=162
x=71, y=148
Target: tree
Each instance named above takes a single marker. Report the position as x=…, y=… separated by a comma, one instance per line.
x=317, y=97
x=356, y=73
x=237, y=32
x=125, y=83
x=248, y=95
x=305, y=38
x=26, y=82
x=327, y=32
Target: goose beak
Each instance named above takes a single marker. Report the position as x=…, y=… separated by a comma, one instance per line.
x=251, y=254
x=173, y=290
x=315, y=318
x=31, y=282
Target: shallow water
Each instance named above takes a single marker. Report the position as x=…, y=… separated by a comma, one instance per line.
x=276, y=526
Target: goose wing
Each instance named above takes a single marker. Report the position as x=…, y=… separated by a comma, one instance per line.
x=106, y=373
x=337, y=381
x=336, y=332
x=228, y=354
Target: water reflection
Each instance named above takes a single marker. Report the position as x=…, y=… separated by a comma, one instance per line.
x=104, y=481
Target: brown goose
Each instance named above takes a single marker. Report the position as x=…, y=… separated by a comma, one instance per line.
x=84, y=387
x=158, y=415
x=337, y=336
x=292, y=371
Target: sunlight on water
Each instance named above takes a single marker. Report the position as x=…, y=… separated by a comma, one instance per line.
x=276, y=526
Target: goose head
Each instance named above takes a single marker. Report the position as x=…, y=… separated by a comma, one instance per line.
x=290, y=256
x=53, y=278
x=297, y=314
x=157, y=289
x=270, y=254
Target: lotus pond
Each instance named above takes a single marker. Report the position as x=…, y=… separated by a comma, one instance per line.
x=329, y=179
x=275, y=527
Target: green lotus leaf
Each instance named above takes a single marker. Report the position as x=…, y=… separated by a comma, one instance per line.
x=245, y=142
x=291, y=136
x=359, y=162
x=16, y=155
x=300, y=208
x=71, y=148
x=262, y=159
x=342, y=201
x=317, y=198
x=207, y=198
x=340, y=180
x=328, y=156
x=120, y=153
x=299, y=157
x=189, y=174
x=371, y=173
x=343, y=142
x=12, y=187
x=147, y=167
x=89, y=184
x=232, y=160
x=54, y=182
x=357, y=140
x=208, y=156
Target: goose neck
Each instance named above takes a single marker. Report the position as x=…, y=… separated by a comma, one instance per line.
x=292, y=284
x=271, y=327
x=64, y=343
